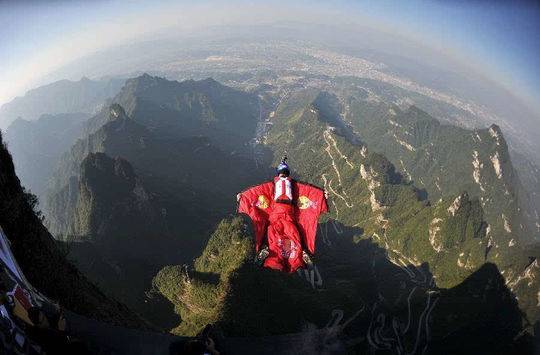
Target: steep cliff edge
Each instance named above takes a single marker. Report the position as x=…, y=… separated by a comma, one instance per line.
x=43, y=262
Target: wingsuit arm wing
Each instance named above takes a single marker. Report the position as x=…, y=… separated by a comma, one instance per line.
x=256, y=203
x=311, y=203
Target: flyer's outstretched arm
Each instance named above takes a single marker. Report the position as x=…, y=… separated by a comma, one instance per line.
x=311, y=203
x=256, y=203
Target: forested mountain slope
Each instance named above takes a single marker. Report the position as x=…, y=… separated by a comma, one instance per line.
x=43, y=261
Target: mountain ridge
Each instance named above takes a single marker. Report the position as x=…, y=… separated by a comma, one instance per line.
x=178, y=171
x=60, y=97
x=389, y=209
x=41, y=258
x=191, y=178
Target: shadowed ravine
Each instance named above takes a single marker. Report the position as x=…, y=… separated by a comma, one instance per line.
x=395, y=310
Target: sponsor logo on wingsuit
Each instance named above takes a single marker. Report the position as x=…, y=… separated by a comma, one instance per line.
x=288, y=248
x=262, y=202
x=304, y=203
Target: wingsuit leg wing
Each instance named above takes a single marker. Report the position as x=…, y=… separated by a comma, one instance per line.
x=284, y=240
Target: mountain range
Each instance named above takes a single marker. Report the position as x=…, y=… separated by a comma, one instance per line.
x=431, y=243
x=60, y=97
x=150, y=163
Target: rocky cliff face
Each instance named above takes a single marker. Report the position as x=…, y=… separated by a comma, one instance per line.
x=43, y=262
x=146, y=180
x=188, y=108
x=446, y=160
x=457, y=232
x=163, y=132
x=37, y=146
x=111, y=196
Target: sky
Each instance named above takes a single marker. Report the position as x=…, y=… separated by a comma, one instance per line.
x=499, y=38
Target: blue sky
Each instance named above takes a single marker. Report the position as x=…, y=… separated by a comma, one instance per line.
x=500, y=38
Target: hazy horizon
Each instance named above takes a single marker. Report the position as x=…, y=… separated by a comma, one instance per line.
x=499, y=41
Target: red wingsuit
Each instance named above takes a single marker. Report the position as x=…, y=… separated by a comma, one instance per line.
x=288, y=211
